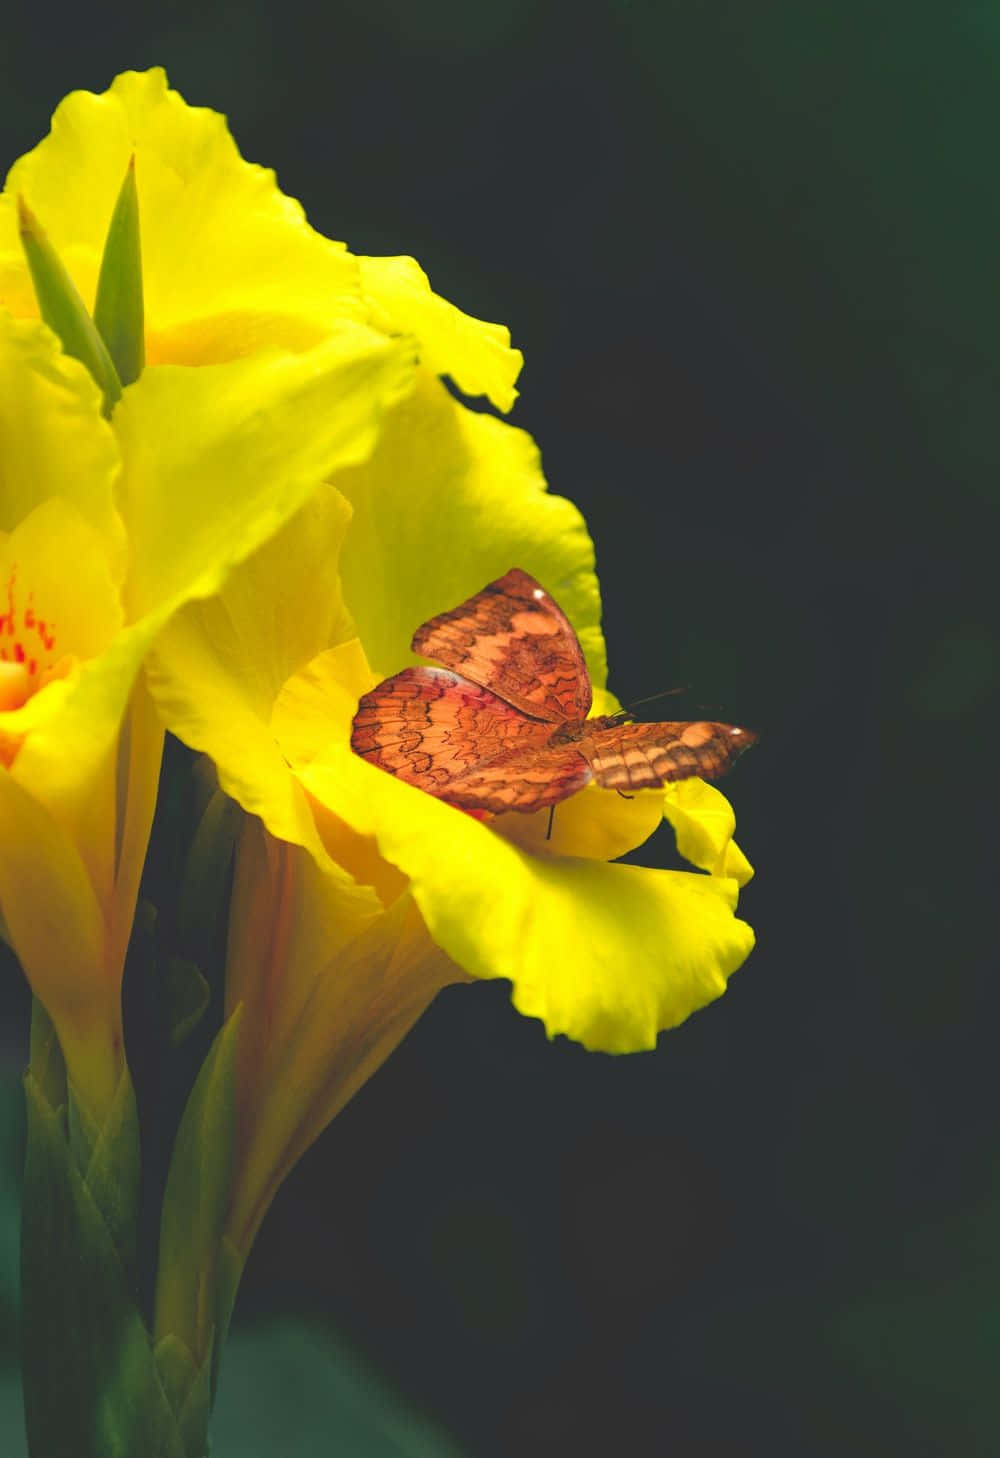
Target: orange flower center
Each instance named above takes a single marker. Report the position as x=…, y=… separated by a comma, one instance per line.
x=29, y=655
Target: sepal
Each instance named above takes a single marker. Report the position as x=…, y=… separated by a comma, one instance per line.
x=194, y=1210
x=62, y=308
x=188, y=1385
x=118, y=308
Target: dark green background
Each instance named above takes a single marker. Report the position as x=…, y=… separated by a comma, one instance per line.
x=751, y=253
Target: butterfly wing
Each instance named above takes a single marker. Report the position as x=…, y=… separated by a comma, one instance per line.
x=514, y=639
x=448, y=736
x=522, y=779
x=642, y=756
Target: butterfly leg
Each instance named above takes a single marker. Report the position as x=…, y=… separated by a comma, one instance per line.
x=548, y=828
x=624, y=796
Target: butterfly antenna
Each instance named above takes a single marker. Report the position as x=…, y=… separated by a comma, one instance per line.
x=663, y=694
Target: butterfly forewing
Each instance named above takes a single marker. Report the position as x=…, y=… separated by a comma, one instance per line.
x=644, y=756
x=512, y=638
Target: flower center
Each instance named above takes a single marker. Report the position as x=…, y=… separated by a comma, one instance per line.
x=29, y=656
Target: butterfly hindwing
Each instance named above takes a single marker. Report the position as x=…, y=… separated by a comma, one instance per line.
x=523, y=779
x=644, y=756
x=430, y=727
x=514, y=639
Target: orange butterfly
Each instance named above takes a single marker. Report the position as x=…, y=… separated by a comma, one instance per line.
x=505, y=727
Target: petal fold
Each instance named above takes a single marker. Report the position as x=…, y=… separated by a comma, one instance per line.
x=259, y=436
x=704, y=824
x=476, y=355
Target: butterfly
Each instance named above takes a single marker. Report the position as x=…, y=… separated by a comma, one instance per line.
x=504, y=725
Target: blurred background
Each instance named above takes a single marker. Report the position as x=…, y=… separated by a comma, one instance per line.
x=750, y=252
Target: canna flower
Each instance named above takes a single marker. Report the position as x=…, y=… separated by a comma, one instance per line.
x=399, y=892
x=231, y=274
x=109, y=527
x=237, y=545
x=230, y=265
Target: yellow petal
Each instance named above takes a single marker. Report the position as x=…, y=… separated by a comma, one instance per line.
x=137, y=774
x=313, y=709
x=329, y=984
x=595, y=823
x=317, y=703
x=476, y=355
x=607, y=954
x=220, y=242
x=56, y=926
x=54, y=568
x=704, y=824
x=449, y=501
x=291, y=915
x=68, y=760
x=53, y=438
x=63, y=610
x=218, y=666
x=258, y=436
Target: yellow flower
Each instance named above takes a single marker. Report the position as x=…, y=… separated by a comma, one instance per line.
x=107, y=529
x=230, y=265
x=300, y=347
x=265, y=678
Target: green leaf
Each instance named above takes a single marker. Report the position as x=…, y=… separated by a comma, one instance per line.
x=91, y=1385
x=45, y=1058
x=204, y=884
x=195, y=1204
x=62, y=308
x=186, y=995
x=118, y=308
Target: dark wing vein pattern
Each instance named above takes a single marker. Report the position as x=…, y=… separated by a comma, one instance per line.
x=644, y=756
x=512, y=638
x=448, y=736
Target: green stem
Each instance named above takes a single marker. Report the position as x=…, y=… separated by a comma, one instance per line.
x=92, y=1388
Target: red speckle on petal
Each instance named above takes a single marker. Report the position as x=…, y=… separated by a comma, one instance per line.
x=29, y=633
